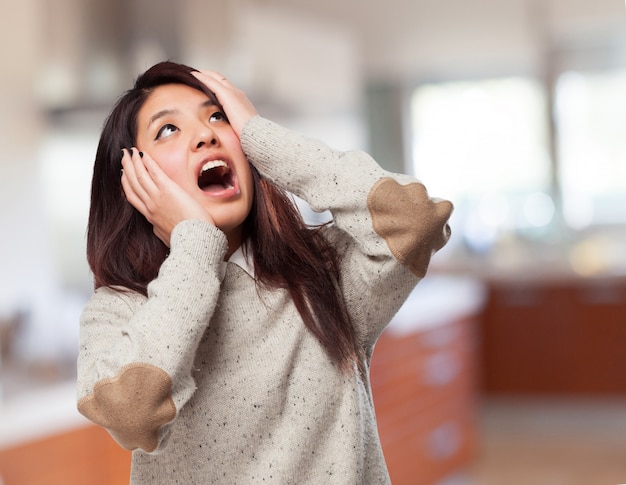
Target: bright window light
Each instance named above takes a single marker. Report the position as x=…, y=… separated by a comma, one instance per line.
x=483, y=144
x=591, y=115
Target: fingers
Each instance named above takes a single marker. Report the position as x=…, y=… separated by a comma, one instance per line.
x=156, y=196
x=214, y=78
x=135, y=180
x=238, y=108
x=142, y=181
x=217, y=84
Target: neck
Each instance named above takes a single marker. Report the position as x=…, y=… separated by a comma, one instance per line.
x=235, y=238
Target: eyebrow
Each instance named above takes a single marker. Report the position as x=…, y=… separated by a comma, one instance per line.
x=166, y=112
x=161, y=114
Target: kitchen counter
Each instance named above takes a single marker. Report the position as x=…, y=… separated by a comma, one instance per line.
x=424, y=381
x=38, y=414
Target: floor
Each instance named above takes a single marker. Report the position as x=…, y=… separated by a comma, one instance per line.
x=550, y=442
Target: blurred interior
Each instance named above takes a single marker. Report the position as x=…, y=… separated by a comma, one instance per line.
x=507, y=363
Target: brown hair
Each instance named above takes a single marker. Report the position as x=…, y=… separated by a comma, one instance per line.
x=122, y=249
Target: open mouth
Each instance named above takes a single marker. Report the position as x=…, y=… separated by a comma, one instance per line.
x=215, y=176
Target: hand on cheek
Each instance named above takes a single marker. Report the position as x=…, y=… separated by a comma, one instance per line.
x=162, y=202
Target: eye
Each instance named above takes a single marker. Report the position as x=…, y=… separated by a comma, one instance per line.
x=165, y=131
x=218, y=116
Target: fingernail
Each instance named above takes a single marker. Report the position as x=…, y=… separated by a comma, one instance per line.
x=141, y=154
x=131, y=152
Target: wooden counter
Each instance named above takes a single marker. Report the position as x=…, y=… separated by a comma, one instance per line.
x=86, y=455
x=423, y=378
x=424, y=389
x=45, y=441
x=563, y=336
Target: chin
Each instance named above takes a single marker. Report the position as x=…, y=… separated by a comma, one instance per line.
x=230, y=224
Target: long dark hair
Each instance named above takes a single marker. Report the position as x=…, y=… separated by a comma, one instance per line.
x=122, y=250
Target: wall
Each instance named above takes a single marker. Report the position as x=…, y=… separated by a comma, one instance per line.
x=326, y=54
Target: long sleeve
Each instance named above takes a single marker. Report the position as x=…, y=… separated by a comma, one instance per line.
x=385, y=225
x=136, y=354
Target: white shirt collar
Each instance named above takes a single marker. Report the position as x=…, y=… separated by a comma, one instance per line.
x=240, y=259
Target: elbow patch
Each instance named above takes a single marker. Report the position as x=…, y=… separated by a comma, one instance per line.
x=413, y=225
x=132, y=406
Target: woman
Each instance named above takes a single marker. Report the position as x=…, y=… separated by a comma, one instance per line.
x=226, y=342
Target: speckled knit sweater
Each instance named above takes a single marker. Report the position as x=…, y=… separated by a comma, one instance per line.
x=213, y=380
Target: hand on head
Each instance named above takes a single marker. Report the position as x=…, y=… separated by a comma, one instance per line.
x=237, y=107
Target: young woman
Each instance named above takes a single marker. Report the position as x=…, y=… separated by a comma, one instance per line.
x=227, y=342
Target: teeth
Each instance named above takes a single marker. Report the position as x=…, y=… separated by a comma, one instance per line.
x=213, y=164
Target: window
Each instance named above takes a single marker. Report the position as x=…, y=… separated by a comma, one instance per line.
x=483, y=144
x=590, y=116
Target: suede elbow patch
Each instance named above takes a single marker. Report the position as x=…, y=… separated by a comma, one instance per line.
x=413, y=225
x=132, y=406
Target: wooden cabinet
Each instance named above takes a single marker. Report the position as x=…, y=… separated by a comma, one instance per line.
x=86, y=455
x=554, y=337
x=424, y=391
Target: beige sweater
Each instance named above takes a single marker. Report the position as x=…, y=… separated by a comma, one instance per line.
x=212, y=380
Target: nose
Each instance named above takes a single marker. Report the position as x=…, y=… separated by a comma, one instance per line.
x=204, y=136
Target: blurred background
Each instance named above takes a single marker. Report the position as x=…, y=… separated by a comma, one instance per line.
x=507, y=363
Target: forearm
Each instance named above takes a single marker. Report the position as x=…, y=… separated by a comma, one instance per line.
x=136, y=356
x=372, y=205
x=385, y=226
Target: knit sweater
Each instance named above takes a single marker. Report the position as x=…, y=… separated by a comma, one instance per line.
x=213, y=379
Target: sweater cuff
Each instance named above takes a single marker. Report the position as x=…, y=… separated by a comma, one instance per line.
x=200, y=240
x=260, y=137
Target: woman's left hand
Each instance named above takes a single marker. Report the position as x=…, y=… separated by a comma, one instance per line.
x=162, y=202
x=237, y=107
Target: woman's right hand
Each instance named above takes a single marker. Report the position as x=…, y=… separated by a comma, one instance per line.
x=162, y=202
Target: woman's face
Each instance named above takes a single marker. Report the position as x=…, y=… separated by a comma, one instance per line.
x=190, y=139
